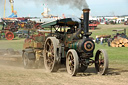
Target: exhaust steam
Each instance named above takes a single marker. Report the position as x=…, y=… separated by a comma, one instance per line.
x=79, y=4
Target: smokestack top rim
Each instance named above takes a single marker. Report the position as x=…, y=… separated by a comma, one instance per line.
x=86, y=10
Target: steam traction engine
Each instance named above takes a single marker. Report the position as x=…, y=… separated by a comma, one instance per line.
x=8, y=29
x=69, y=43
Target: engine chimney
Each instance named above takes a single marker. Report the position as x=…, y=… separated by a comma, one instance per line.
x=86, y=22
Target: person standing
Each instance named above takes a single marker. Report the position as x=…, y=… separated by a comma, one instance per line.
x=101, y=40
x=109, y=42
x=97, y=39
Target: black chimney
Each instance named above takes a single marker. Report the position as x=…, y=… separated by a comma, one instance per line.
x=86, y=22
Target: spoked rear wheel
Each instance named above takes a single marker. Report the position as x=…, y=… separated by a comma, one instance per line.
x=51, y=59
x=101, y=62
x=72, y=63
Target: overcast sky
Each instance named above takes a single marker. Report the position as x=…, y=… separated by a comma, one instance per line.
x=35, y=8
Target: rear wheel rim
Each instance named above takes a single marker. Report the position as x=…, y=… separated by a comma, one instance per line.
x=51, y=59
x=49, y=54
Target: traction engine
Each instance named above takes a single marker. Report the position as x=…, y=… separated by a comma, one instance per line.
x=67, y=43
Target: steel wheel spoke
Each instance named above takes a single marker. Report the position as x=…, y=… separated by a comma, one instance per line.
x=101, y=62
x=49, y=54
x=48, y=44
x=71, y=62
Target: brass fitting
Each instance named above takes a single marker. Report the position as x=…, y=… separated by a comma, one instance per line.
x=86, y=10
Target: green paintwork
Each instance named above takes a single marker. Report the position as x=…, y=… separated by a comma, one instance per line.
x=73, y=45
x=14, y=34
x=2, y=34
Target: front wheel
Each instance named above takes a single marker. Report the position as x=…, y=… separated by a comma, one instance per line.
x=101, y=62
x=72, y=62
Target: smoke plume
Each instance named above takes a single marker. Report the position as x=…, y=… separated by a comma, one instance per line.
x=79, y=4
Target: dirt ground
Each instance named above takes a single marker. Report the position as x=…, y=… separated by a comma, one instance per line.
x=13, y=73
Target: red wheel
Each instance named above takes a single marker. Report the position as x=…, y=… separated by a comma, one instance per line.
x=9, y=35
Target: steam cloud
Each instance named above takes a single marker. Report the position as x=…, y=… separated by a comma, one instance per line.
x=79, y=4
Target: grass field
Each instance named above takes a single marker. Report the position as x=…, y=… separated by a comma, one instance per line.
x=116, y=55
x=15, y=44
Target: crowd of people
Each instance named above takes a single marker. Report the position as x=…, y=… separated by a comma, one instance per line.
x=101, y=40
